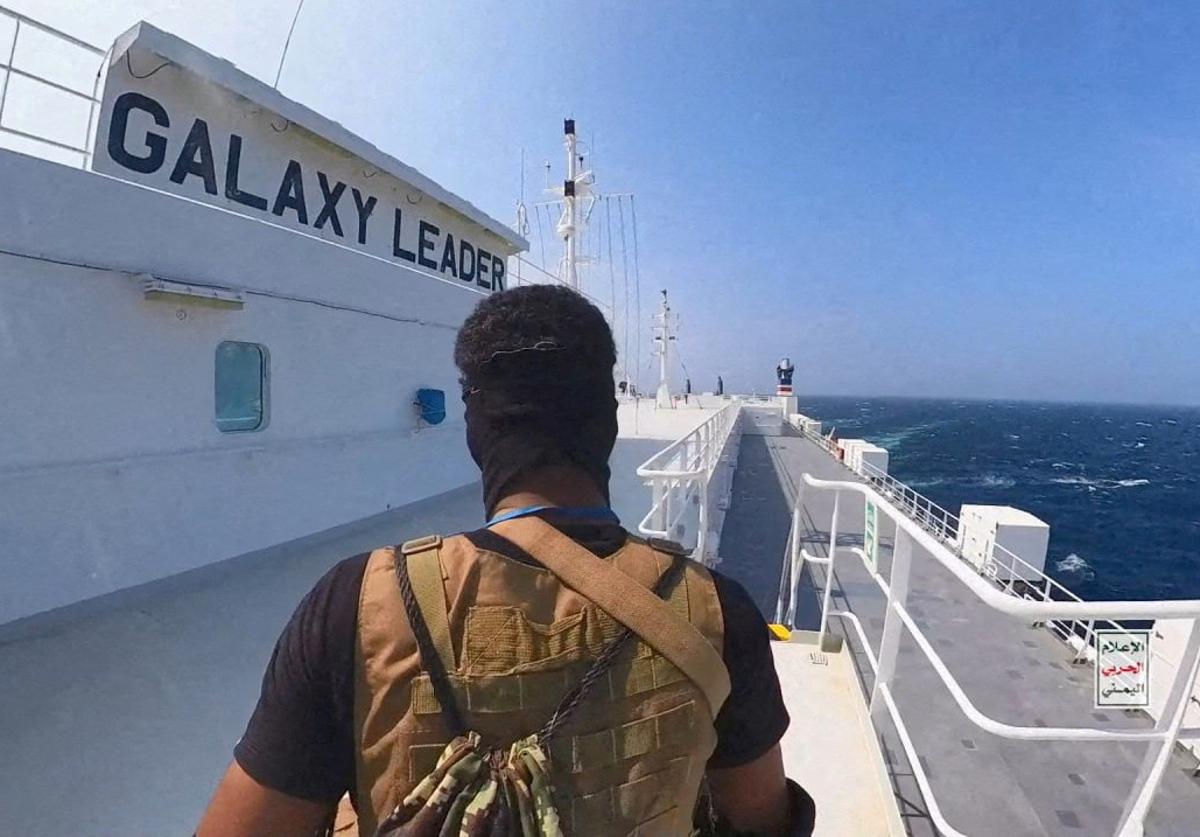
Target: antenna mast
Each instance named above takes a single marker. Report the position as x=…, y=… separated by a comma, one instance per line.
x=576, y=186
x=662, y=340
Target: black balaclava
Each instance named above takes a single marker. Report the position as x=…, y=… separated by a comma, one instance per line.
x=535, y=407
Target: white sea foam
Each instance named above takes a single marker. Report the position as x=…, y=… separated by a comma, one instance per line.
x=1094, y=484
x=1144, y=424
x=928, y=482
x=984, y=481
x=1073, y=481
x=898, y=437
x=1075, y=565
x=1061, y=465
x=996, y=481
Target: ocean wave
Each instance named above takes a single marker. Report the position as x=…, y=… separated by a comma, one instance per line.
x=1073, y=481
x=1144, y=424
x=1094, y=484
x=984, y=481
x=1076, y=566
x=1061, y=465
x=996, y=481
x=898, y=437
x=928, y=482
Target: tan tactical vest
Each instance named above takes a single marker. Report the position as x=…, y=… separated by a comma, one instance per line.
x=629, y=761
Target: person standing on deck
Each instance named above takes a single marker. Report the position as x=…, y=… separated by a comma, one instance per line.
x=350, y=704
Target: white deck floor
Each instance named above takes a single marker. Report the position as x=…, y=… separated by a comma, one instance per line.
x=830, y=747
x=118, y=716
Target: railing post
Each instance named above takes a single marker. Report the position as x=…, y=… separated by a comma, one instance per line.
x=833, y=531
x=784, y=577
x=87, y=132
x=1133, y=818
x=658, y=498
x=889, y=646
x=702, y=535
x=1081, y=654
x=796, y=564
x=668, y=492
x=12, y=54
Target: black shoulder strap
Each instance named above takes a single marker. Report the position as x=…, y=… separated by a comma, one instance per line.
x=430, y=659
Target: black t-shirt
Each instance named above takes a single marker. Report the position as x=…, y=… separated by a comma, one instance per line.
x=300, y=739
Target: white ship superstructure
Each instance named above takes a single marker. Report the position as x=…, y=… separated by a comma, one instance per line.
x=226, y=343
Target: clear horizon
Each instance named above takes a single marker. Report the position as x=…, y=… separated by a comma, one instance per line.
x=934, y=200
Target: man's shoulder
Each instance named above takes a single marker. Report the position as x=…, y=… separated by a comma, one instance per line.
x=347, y=572
x=336, y=592
x=738, y=609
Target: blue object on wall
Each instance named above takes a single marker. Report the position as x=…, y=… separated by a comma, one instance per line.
x=432, y=404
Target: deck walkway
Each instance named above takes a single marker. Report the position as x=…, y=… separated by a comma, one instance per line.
x=119, y=715
x=986, y=786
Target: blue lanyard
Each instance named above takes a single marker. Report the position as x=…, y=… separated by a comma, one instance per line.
x=583, y=512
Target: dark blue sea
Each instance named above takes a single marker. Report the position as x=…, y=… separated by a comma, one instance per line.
x=1119, y=485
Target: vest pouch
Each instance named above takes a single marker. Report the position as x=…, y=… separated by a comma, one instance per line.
x=479, y=792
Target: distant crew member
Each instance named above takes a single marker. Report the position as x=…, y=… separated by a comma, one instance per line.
x=473, y=648
x=720, y=386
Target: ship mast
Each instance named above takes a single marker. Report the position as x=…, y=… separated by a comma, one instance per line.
x=576, y=186
x=662, y=347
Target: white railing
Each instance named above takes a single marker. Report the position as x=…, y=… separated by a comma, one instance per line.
x=14, y=65
x=690, y=481
x=1016, y=576
x=1161, y=738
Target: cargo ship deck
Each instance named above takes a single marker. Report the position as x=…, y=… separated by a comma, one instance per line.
x=1012, y=671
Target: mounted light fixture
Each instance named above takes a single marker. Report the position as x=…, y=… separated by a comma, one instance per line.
x=209, y=296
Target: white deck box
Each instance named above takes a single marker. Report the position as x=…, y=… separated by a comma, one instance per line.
x=804, y=423
x=849, y=449
x=982, y=528
x=874, y=456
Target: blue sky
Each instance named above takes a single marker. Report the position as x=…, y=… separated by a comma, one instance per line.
x=951, y=199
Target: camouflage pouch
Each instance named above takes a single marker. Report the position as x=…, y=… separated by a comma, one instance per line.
x=479, y=792
x=473, y=793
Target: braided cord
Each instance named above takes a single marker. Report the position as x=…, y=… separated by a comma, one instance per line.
x=429, y=656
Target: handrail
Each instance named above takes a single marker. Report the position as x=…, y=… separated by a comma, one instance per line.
x=50, y=30
x=1166, y=731
x=1030, y=609
x=9, y=69
x=944, y=524
x=687, y=473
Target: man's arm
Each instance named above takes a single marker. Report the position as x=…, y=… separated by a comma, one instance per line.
x=296, y=757
x=745, y=774
x=753, y=797
x=241, y=807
